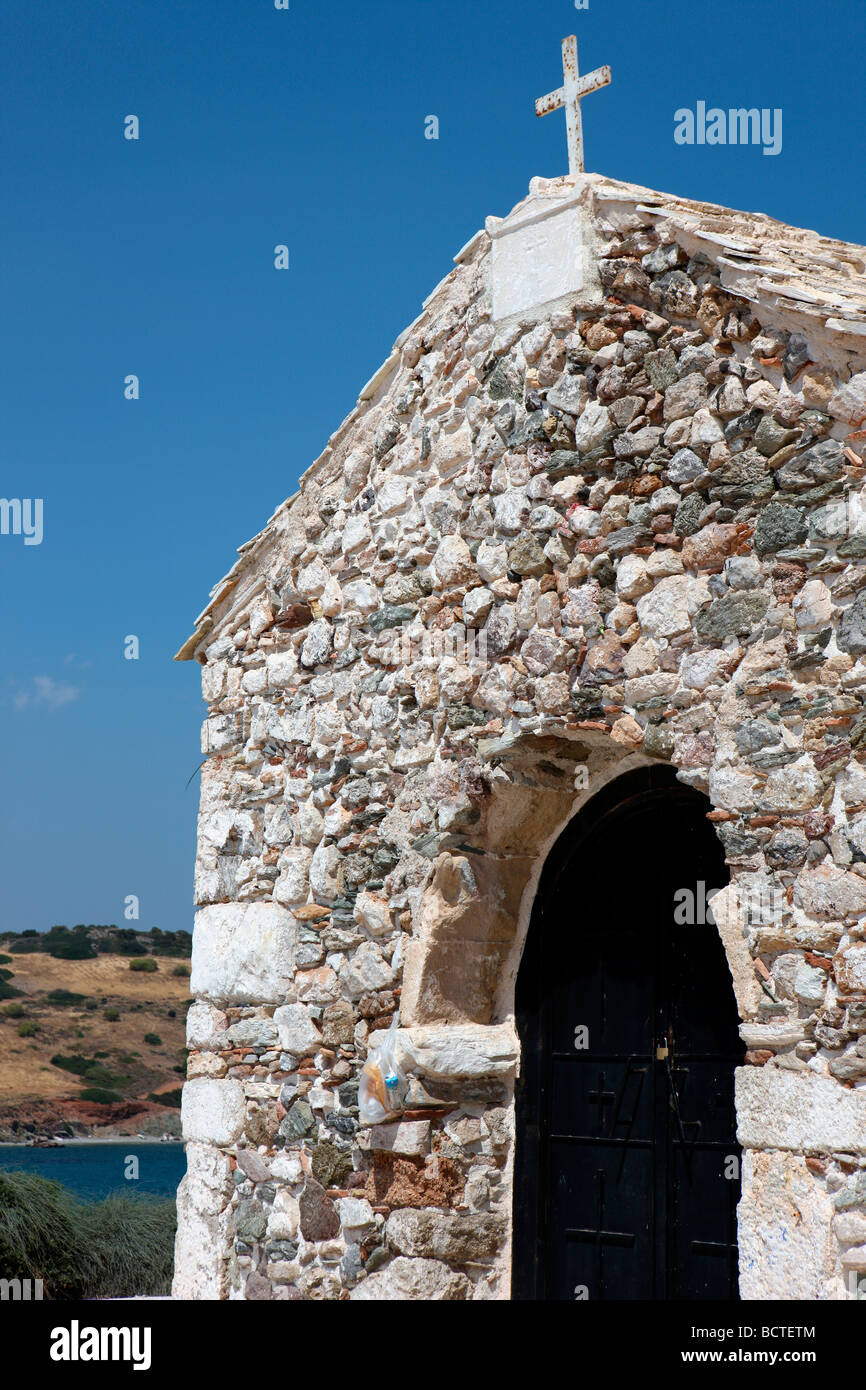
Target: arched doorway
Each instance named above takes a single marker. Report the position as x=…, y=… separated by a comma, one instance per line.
x=627, y=1166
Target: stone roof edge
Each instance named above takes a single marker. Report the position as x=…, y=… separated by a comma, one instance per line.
x=747, y=278
x=211, y=619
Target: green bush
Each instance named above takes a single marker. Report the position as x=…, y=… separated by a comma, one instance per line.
x=8, y=991
x=111, y=1015
x=181, y=970
x=27, y=1029
x=101, y=1076
x=171, y=1098
x=99, y=1095
x=168, y=943
x=14, y=1011
x=88, y=1069
x=145, y=963
x=120, y=1247
x=73, y=950
x=153, y=1039
x=74, y=1063
x=66, y=998
x=5, y=960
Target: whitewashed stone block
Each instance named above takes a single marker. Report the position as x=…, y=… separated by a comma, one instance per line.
x=355, y=1213
x=851, y=968
x=786, y=1240
x=849, y=402
x=538, y=257
x=204, y=1225
x=243, y=953
x=671, y=606
x=298, y=1032
x=366, y=970
x=417, y=1280
x=204, y=1026
x=796, y=787
x=212, y=1112
x=285, y=1217
x=373, y=913
x=410, y=1138
x=467, y=1050
x=830, y=892
x=798, y=1111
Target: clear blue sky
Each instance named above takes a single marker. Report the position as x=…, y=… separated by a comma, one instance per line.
x=261, y=126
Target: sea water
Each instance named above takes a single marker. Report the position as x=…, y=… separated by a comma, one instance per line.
x=92, y=1171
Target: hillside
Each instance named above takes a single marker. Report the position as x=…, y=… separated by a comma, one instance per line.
x=86, y=1042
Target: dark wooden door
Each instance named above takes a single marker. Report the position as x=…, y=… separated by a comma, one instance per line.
x=627, y=1166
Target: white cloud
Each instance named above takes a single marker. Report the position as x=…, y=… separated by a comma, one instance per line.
x=47, y=693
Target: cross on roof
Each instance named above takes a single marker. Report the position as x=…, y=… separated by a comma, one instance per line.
x=568, y=95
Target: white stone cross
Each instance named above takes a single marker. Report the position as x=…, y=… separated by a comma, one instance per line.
x=569, y=95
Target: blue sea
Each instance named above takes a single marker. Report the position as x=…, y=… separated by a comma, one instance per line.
x=93, y=1171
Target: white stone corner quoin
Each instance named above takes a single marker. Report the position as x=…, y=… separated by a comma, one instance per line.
x=242, y=953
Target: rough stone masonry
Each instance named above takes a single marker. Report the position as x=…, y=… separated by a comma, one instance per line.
x=602, y=505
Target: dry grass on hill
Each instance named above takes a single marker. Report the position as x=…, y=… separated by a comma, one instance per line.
x=144, y=1001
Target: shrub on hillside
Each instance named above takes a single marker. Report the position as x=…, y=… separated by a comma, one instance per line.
x=73, y=1062
x=171, y=1098
x=97, y=1075
x=66, y=998
x=144, y=963
x=167, y=943
x=119, y=1247
x=100, y=1095
x=8, y=991
x=27, y=1028
x=111, y=1015
x=153, y=1039
x=181, y=970
x=73, y=950
x=14, y=1011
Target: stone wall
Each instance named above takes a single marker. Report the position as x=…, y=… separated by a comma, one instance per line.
x=540, y=552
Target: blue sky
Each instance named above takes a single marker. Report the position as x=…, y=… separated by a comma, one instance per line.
x=261, y=126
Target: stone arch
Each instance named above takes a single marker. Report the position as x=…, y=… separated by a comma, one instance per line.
x=470, y=927
x=462, y=962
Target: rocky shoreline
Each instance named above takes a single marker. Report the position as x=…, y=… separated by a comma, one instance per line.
x=75, y=1121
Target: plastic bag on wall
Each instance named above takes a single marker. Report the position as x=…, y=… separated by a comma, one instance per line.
x=382, y=1085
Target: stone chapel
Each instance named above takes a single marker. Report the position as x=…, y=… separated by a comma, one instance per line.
x=535, y=722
